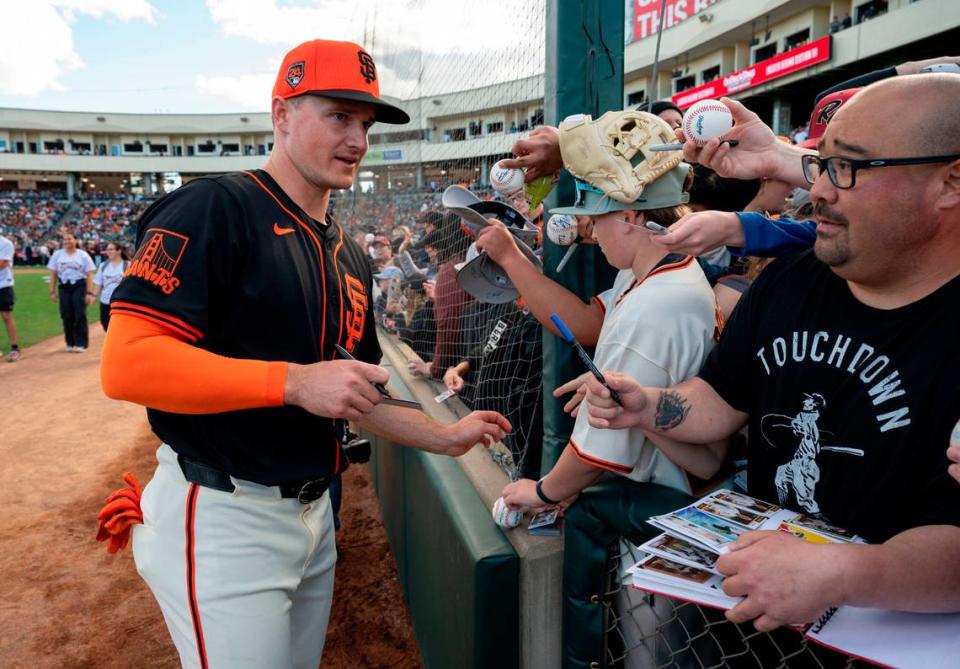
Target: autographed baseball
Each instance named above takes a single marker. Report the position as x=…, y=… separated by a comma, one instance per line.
x=504, y=516
x=506, y=180
x=562, y=229
x=705, y=120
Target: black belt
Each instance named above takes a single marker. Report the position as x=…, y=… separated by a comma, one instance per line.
x=210, y=477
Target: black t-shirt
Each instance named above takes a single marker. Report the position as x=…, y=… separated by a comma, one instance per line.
x=851, y=407
x=237, y=268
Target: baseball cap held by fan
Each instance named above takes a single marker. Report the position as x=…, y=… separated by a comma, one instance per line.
x=341, y=70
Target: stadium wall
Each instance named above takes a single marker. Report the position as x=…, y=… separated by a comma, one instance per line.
x=499, y=601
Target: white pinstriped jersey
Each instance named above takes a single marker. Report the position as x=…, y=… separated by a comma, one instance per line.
x=659, y=331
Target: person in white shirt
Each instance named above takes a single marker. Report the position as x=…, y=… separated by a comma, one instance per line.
x=7, y=297
x=71, y=284
x=107, y=278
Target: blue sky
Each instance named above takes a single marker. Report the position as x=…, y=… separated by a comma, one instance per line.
x=196, y=56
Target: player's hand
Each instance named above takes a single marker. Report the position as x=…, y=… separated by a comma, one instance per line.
x=603, y=412
x=522, y=494
x=54, y=297
x=335, y=389
x=578, y=387
x=452, y=380
x=758, y=154
x=418, y=368
x=786, y=580
x=702, y=231
x=477, y=427
x=499, y=244
x=538, y=153
x=953, y=453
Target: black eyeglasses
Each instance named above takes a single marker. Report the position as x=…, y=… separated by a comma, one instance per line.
x=843, y=171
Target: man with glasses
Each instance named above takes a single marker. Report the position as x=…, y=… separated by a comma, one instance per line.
x=866, y=324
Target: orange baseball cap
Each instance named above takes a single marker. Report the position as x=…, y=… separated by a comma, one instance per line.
x=341, y=70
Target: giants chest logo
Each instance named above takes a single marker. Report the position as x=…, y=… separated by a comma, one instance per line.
x=355, y=311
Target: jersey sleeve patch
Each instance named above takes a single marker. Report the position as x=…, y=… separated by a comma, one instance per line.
x=157, y=259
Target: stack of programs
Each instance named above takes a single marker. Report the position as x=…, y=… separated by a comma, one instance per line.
x=681, y=562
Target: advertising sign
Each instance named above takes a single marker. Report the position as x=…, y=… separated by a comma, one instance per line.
x=788, y=62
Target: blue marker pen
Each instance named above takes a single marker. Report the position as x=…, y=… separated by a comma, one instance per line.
x=583, y=356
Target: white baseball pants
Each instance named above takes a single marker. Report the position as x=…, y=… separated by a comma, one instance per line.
x=244, y=579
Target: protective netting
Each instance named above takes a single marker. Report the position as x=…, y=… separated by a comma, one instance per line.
x=468, y=100
x=647, y=631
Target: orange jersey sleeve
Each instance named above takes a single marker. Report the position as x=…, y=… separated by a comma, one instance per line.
x=147, y=363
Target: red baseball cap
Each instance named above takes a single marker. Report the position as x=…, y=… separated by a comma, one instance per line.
x=341, y=70
x=822, y=114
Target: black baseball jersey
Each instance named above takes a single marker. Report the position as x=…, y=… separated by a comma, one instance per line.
x=851, y=407
x=237, y=268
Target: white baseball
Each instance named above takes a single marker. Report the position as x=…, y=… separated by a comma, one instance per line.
x=504, y=516
x=562, y=229
x=705, y=120
x=506, y=180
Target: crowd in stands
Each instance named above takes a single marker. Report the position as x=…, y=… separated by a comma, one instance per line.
x=34, y=220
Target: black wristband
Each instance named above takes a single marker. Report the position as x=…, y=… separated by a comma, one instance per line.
x=542, y=496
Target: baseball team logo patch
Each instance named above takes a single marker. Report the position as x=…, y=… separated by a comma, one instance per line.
x=367, y=69
x=157, y=259
x=295, y=73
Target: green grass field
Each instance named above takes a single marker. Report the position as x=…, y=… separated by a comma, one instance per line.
x=38, y=317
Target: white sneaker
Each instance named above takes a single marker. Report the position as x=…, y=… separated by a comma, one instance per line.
x=69, y=349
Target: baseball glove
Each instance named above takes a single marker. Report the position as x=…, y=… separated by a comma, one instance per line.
x=611, y=153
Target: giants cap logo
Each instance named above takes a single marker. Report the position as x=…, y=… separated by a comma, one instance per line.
x=295, y=73
x=367, y=69
x=157, y=259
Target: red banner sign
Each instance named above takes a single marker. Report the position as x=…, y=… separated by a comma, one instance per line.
x=646, y=14
x=788, y=62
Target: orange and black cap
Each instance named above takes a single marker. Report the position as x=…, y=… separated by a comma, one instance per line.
x=341, y=70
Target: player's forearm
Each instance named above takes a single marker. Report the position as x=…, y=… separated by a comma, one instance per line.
x=915, y=570
x=689, y=412
x=408, y=427
x=145, y=364
x=569, y=476
x=544, y=297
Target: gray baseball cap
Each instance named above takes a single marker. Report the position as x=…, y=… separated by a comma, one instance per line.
x=667, y=191
x=485, y=280
x=475, y=213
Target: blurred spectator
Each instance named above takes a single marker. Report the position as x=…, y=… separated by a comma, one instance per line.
x=108, y=277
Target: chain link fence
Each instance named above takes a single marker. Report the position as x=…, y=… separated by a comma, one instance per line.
x=648, y=631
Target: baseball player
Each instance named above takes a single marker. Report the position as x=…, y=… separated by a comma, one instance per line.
x=71, y=284
x=7, y=297
x=224, y=327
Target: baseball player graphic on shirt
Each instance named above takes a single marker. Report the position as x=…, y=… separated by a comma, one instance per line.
x=802, y=472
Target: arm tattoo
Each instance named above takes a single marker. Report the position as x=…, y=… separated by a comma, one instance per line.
x=672, y=410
